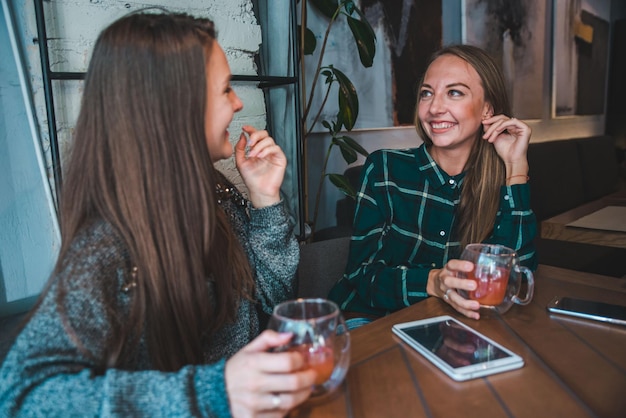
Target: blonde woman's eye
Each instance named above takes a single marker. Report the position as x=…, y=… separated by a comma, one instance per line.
x=424, y=94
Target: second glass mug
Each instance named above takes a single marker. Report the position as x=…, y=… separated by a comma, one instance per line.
x=320, y=334
x=498, y=276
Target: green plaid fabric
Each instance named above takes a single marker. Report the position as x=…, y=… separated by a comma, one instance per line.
x=405, y=225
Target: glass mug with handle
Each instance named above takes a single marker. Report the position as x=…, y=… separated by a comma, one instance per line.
x=498, y=276
x=320, y=334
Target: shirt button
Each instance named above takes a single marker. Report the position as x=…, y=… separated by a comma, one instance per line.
x=433, y=264
x=442, y=233
x=506, y=197
x=451, y=181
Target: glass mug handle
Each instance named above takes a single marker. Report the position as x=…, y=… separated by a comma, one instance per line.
x=530, y=279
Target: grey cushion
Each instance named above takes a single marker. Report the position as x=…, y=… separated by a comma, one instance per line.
x=321, y=264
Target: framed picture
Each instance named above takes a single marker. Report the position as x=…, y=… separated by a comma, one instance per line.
x=513, y=32
x=580, y=55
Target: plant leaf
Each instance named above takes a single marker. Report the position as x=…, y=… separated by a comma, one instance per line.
x=309, y=40
x=365, y=22
x=349, y=6
x=348, y=100
x=342, y=183
x=355, y=145
x=327, y=7
x=365, y=40
x=348, y=154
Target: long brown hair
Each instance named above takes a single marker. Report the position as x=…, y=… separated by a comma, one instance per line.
x=140, y=161
x=485, y=171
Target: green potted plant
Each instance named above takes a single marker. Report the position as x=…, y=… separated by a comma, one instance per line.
x=364, y=40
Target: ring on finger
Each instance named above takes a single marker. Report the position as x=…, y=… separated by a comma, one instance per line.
x=275, y=400
x=446, y=295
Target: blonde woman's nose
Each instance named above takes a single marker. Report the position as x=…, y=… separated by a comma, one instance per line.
x=437, y=104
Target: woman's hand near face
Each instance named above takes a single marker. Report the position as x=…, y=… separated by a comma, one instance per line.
x=260, y=383
x=263, y=168
x=510, y=137
x=443, y=283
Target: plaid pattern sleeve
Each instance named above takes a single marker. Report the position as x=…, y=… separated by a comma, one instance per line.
x=404, y=226
x=516, y=225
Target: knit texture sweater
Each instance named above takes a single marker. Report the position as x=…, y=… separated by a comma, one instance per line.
x=46, y=375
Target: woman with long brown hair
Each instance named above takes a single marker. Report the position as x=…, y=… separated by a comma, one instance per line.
x=418, y=208
x=165, y=269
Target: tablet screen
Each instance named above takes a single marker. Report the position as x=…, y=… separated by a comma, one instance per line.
x=454, y=344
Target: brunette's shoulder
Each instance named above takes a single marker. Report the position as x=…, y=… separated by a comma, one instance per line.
x=96, y=250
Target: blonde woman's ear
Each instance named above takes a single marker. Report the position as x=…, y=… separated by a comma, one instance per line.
x=487, y=111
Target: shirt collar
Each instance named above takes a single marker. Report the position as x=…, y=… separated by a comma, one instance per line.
x=435, y=175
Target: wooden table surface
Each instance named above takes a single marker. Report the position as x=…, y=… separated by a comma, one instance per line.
x=556, y=227
x=573, y=367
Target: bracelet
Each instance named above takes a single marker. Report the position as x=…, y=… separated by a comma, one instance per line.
x=518, y=175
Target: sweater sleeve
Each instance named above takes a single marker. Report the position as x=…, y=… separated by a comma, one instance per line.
x=274, y=253
x=52, y=368
x=46, y=380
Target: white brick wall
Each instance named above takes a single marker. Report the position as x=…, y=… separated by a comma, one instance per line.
x=73, y=25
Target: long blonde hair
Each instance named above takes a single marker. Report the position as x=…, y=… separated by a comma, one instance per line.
x=485, y=171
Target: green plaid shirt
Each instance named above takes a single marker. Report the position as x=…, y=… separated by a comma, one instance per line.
x=404, y=226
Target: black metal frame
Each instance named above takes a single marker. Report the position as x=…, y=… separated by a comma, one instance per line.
x=48, y=76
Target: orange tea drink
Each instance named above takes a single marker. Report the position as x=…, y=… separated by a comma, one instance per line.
x=320, y=335
x=490, y=285
x=320, y=359
x=498, y=276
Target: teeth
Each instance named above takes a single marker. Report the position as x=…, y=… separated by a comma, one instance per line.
x=441, y=125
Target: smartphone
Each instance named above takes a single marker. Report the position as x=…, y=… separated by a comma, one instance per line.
x=589, y=309
x=456, y=349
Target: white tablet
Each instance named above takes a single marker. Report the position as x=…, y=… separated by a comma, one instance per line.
x=456, y=349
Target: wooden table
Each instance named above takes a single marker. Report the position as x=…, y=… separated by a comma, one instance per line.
x=573, y=367
x=557, y=228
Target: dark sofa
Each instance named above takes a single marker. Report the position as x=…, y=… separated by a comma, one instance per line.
x=563, y=175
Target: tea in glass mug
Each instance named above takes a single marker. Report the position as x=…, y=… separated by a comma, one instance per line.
x=320, y=335
x=498, y=276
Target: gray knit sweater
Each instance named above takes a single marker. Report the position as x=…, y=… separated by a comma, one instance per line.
x=45, y=375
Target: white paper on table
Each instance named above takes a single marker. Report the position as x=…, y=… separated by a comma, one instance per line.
x=610, y=218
